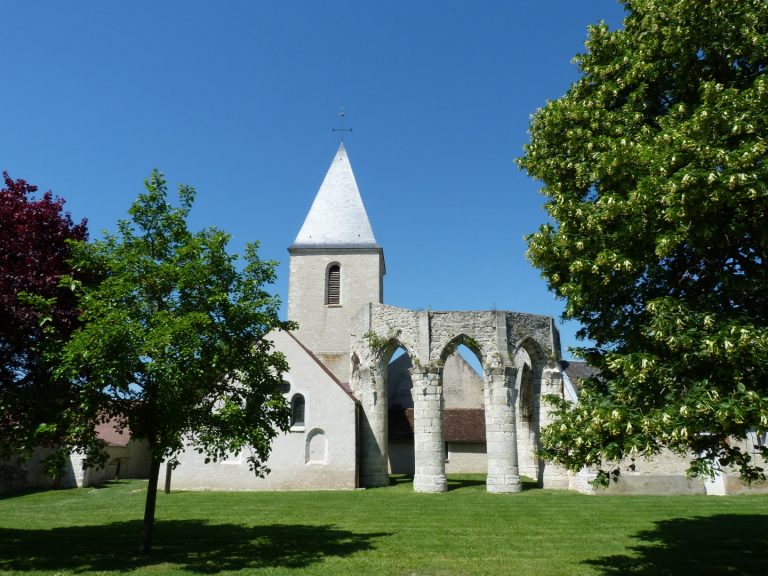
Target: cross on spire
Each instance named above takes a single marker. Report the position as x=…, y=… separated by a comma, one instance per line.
x=341, y=125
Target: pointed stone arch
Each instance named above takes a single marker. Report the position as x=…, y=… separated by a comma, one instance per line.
x=527, y=360
x=534, y=350
x=462, y=340
x=388, y=350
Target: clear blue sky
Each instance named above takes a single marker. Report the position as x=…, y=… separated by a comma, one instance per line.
x=238, y=98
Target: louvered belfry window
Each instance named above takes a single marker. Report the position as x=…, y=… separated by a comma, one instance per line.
x=334, y=285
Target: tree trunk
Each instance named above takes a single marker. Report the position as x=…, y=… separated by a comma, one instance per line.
x=168, y=471
x=149, y=508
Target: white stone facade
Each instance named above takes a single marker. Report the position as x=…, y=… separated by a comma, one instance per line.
x=317, y=455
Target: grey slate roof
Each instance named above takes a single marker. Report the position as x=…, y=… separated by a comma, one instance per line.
x=577, y=371
x=337, y=218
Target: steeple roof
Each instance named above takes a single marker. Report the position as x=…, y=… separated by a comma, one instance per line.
x=337, y=218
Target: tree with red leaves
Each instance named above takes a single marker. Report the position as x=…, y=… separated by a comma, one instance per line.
x=36, y=409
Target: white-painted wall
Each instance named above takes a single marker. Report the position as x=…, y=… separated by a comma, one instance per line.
x=320, y=455
x=134, y=463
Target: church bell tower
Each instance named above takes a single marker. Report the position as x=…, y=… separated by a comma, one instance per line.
x=336, y=268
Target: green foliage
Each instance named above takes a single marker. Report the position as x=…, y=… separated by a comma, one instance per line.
x=655, y=168
x=377, y=343
x=37, y=410
x=173, y=337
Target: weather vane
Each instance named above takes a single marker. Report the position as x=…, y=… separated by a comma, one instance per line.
x=341, y=125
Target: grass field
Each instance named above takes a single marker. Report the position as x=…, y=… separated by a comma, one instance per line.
x=384, y=531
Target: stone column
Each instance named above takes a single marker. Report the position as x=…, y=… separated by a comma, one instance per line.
x=500, y=434
x=371, y=392
x=429, y=446
x=552, y=475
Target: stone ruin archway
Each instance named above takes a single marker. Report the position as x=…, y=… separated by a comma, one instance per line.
x=509, y=345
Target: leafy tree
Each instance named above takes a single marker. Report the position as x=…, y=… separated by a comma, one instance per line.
x=36, y=409
x=656, y=172
x=173, y=338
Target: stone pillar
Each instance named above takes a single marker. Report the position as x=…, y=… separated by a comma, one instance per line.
x=429, y=446
x=371, y=391
x=551, y=474
x=500, y=433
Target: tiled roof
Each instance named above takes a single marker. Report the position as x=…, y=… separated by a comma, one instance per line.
x=459, y=425
x=107, y=432
x=465, y=425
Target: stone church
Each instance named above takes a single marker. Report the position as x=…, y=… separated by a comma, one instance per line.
x=375, y=389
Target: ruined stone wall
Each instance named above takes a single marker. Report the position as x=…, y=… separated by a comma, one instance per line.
x=430, y=338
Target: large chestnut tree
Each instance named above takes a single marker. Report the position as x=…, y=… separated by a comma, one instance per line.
x=655, y=168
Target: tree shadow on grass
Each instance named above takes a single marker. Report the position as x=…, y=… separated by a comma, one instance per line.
x=26, y=491
x=720, y=544
x=459, y=482
x=463, y=483
x=192, y=545
x=399, y=479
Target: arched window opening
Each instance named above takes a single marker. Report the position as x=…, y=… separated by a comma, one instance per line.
x=297, y=410
x=463, y=379
x=333, y=293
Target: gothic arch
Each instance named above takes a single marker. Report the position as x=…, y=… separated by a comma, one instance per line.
x=463, y=340
x=533, y=349
x=388, y=350
x=538, y=374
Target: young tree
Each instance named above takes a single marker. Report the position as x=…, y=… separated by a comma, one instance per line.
x=655, y=165
x=36, y=409
x=173, y=338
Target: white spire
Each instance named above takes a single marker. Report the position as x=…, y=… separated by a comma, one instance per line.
x=337, y=217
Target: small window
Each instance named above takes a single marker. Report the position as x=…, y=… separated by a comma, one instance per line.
x=333, y=295
x=297, y=410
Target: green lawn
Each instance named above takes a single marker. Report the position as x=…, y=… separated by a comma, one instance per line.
x=384, y=531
